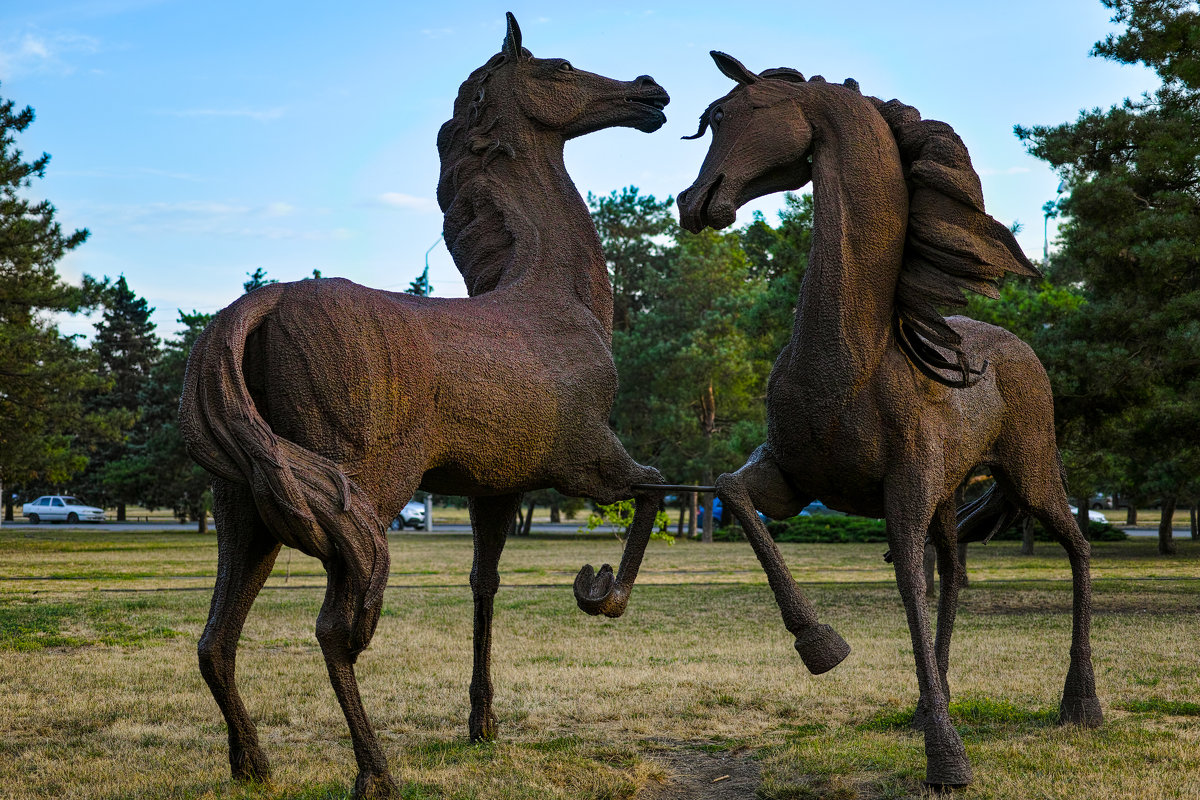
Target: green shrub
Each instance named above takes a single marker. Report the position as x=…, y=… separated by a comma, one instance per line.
x=828, y=528
x=1097, y=532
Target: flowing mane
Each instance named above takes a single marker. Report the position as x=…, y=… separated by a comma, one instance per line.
x=952, y=243
x=484, y=231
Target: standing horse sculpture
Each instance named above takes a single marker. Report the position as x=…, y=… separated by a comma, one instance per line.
x=877, y=405
x=321, y=406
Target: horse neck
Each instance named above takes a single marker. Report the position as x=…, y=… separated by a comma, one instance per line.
x=843, y=317
x=555, y=257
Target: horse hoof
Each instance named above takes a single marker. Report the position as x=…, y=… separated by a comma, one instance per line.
x=821, y=648
x=595, y=593
x=375, y=786
x=946, y=764
x=482, y=727
x=250, y=765
x=1082, y=711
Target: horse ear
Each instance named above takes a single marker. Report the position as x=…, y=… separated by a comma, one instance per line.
x=732, y=68
x=512, y=38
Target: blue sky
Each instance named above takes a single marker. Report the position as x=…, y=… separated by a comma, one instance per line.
x=199, y=141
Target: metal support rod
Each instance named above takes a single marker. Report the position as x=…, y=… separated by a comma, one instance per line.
x=673, y=487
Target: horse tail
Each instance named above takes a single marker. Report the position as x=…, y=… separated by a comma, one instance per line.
x=987, y=515
x=306, y=500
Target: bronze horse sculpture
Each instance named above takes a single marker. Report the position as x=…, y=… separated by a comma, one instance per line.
x=878, y=405
x=320, y=406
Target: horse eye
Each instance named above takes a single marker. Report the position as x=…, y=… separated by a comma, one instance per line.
x=566, y=67
x=717, y=116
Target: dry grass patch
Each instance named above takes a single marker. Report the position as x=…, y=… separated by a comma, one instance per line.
x=104, y=700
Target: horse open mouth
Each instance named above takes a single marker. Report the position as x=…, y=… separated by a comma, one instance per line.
x=657, y=102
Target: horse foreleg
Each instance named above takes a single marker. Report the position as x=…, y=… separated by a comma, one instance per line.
x=491, y=518
x=335, y=626
x=944, y=533
x=245, y=555
x=759, y=484
x=946, y=761
x=602, y=592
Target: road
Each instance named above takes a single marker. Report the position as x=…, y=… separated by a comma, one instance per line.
x=538, y=527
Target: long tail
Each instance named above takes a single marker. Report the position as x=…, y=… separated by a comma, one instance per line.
x=993, y=511
x=305, y=499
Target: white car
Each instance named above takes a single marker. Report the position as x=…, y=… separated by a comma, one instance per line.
x=1093, y=515
x=413, y=516
x=60, y=508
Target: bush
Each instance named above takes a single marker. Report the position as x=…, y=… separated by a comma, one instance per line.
x=828, y=528
x=838, y=529
x=1097, y=532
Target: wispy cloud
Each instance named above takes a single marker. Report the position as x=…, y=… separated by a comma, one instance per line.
x=437, y=33
x=212, y=218
x=257, y=114
x=35, y=52
x=401, y=200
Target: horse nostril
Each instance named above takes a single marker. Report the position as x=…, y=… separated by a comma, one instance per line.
x=646, y=81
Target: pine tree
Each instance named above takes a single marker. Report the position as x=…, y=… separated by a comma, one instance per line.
x=42, y=374
x=1126, y=368
x=420, y=285
x=127, y=348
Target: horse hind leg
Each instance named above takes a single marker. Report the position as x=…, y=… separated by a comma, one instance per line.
x=760, y=484
x=491, y=518
x=335, y=626
x=246, y=553
x=1042, y=490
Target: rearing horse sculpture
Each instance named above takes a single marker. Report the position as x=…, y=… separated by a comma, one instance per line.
x=877, y=405
x=321, y=406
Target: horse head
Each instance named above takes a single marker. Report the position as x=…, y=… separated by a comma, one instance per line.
x=568, y=101
x=761, y=144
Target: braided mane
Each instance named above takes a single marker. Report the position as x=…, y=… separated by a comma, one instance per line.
x=952, y=243
x=484, y=230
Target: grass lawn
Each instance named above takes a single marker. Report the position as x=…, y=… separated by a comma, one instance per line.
x=103, y=698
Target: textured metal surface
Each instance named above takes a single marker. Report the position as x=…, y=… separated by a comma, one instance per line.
x=321, y=406
x=878, y=405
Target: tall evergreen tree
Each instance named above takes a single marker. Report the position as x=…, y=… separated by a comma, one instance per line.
x=1127, y=374
x=127, y=349
x=420, y=285
x=636, y=231
x=43, y=374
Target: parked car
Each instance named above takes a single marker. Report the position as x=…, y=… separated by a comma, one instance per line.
x=60, y=508
x=701, y=514
x=411, y=516
x=816, y=508
x=1093, y=515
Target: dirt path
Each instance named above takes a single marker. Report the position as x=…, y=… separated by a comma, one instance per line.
x=699, y=775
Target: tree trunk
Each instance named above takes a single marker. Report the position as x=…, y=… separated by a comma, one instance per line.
x=555, y=511
x=1166, y=541
x=202, y=523
x=1131, y=514
x=1027, y=536
x=709, y=521
x=692, y=515
x=1195, y=529
x=7, y=503
x=518, y=521
x=930, y=561
x=1081, y=518
x=529, y=517
x=682, y=516
x=120, y=512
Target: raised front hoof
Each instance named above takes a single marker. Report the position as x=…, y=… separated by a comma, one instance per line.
x=596, y=594
x=481, y=726
x=249, y=766
x=1082, y=711
x=821, y=648
x=375, y=786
